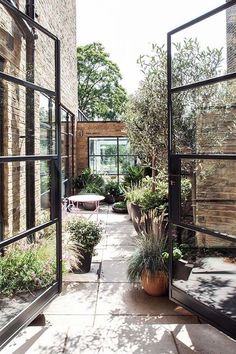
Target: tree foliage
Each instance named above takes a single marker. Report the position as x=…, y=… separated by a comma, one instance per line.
x=100, y=93
x=147, y=115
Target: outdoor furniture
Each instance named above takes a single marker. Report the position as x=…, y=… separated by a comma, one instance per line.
x=75, y=200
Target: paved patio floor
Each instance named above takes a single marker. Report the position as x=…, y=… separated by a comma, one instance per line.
x=101, y=312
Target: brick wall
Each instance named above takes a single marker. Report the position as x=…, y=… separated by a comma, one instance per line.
x=58, y=16
x=93, y=129
x=216, y=179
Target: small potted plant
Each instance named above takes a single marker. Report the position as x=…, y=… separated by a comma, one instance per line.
x=112, y=191
x=87, y=234
x=120, y=207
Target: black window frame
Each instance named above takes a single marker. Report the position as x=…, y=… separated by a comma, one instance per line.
x=28, y=24
x=116, y=156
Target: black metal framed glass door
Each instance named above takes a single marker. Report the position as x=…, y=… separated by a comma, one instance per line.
x=30, y=219
x=202, y=165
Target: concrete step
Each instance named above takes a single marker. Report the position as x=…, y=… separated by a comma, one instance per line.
x=122, y=337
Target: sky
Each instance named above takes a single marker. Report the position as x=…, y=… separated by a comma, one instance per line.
x=127, y=28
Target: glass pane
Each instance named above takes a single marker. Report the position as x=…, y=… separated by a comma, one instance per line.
x=103, y=146
x=27, y=269
x=13, y=43
x=17, y=42
x=124, y=146
x=208, y=194
x=63, y=121
x=64, y=147
x=70, y=137
x=125, y=162
x=70, y=118
x=203, y=61
x=12, y=112
x=47, y=125
x=44, y=61
x=206, y=272
x=44, y=193
x=27, y=121
x=103, y=164
x=204, y=119
x=13, y=210
x=13, y=195
x=70, y=162
x=64, y=170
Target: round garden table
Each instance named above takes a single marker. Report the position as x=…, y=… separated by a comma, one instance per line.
x=74, y=201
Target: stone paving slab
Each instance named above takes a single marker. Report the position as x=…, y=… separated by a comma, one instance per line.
x=125, y=298
x=203, y=339
x=114, y=253
x=76, y=298
x=119, y=240
x=90, y=277
x=100, y=320
x=114, y=271
x=38, y=340
x=124, y=339
x=122, y=335
x=69, y=320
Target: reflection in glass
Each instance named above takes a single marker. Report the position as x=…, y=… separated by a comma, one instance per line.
x=45, y=193
x=103, y=146
x=103, y=164
x=47, y=125
x=27, y=268
x=208, y=274
x=125, y=162
x=212, y=198
x=105, y=153
x=204, y=119
x=206, y=60
x=14, y=209
x=13, y=120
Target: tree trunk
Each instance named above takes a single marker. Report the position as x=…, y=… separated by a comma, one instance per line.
x=153, y=172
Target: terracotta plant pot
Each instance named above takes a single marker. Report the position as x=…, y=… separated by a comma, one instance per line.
x=155, y=285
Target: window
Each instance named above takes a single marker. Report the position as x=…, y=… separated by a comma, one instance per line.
x=110, y=156
x=67, y=151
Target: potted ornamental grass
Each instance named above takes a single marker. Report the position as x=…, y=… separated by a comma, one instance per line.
x=149, y=262
x=87, y=235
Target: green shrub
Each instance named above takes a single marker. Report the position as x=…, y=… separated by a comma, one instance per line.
x=120, y=205
x=112, y=188
x=27, y=267
x=86, y=233
x=88, y=178
x=133, y=176
x=93, y=188
x=146, y=199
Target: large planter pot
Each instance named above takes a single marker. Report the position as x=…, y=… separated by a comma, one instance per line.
x=109, y=199
x=119, y=210
x=119, y=198
x=155, y=285
x=129, y=210
x=85, y=260
x=136, y=216
x=89, y=205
